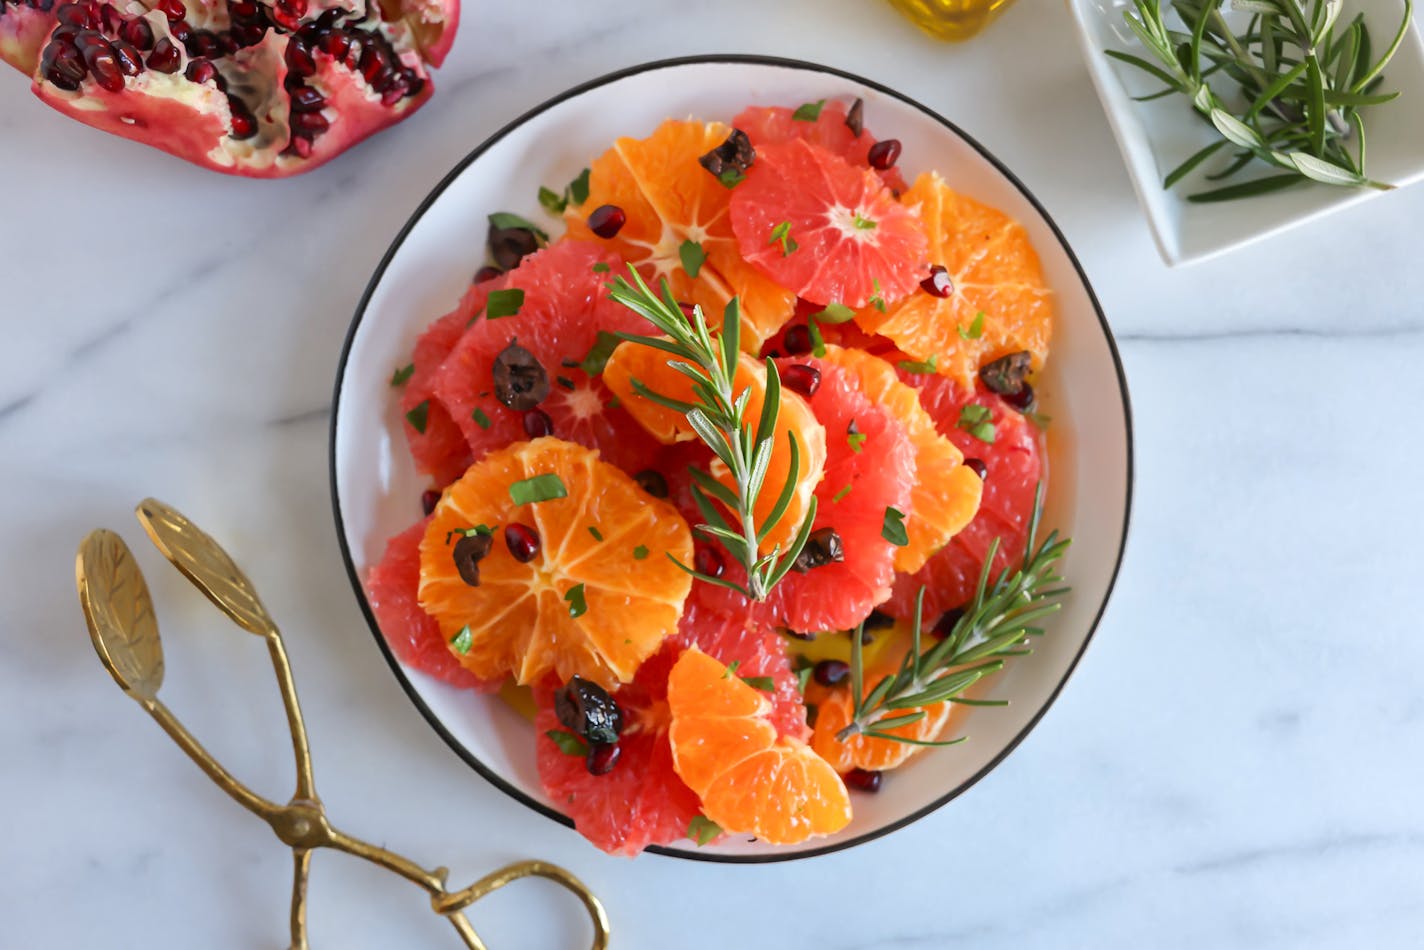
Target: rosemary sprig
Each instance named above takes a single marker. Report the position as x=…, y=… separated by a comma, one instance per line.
x=994, y=627
x=1299, y=85
x=719, y=417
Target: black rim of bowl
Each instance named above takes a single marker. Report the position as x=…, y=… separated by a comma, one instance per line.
x=458, y=747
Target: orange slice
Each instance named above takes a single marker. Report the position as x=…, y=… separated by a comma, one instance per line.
x=523, y=619
x=669, y=200
x=649, y=366
x=994, y=270
x=727, y=751
x=946, y=495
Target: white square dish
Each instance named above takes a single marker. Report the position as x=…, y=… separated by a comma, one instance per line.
x=1155, y=137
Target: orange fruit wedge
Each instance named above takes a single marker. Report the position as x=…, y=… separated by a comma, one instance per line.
x=946, y=495
x=586, y=604
x=649, y=366
x=727, y=751
x=994, y=270
x=677, y=225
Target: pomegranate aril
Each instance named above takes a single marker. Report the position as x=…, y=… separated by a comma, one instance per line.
x=165, y=57
x=227, y=43
x=242, y=9
x=173, y=9
x=310, y=123
x=797, y=341
x=99, y=57
x=708, y=561
x=296, y=8
x=537, y=423
x=522, y=541
x=200, y=71
x=63, y=66
x=180, y=30
x=300, y=147
x=201, y=43
x=137, y=32
x=884, y=154
x=488, y=272
x=128, y=58
x=831, y=672
x=307, y=99
x=413, y=83
x=428, y=500
x=244, y=126
x=1022, y=400
x=394, y=92
x=602, y=756
x=978, y=467
x=939, y=283
x=336, y=45
x=327, y=21
x=110, y=18
x=801, y=378
x=82, y=15
x=864, y=780
x=299, y=59
x=607, y=220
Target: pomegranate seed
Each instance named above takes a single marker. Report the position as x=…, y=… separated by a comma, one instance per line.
x=307, y=99
x=863, y=779
x=202, y=44
x=311, y=124
x=336, y=45
x=244, y=126
x=831, y=672
x=165, y=57
x=944, y=626
x=371, y=63
x=327, y=21
x=537, y=423
x=245, y=36
x=285, y=20
x=522, y=541
x=137, y=32
x=63, y=66
x=299, y=59
x=180, y=30
x=978, y=467
x=128, y=58
x=99, y=57
x=82, y=15
x=428, y=500
x=488, y=272
x=801, y=378
x=110, y=18
x=1021, y=400
x=652, y=482
x=607, y=220
x=300, y=147
x=173, y=9
x=413, y=83
x=200, y=71
x=939, y=283
x=296, y=8
x=709, y=562
x=393, y=93
x=884, y=154
x=602, y=756
x=227, y=43
x=242, y=9
x=797, y=341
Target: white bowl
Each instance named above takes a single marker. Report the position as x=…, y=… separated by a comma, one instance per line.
x=1157, y=136
x=376, y=490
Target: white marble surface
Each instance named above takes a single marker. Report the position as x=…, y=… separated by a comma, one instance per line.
x=1239, y=761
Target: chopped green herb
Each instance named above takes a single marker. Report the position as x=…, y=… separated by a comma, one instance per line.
x=877, y=299
x=976, y=328
x=601, y=267
x=803, y=668
x=703, y=829
x=578, y=188
x=809, y=112
x=468, y=532
x=818, y=342
x=692, y=257
x=577, y=605
x=862, y=223
x=568, y=743
x=893, y=530
x=640, y=552
x=781, y=234
x=613, y=403
x=856, y=441
x=552, y=201
x=481, y=420
x=731, y=177
x=975, y=419
x=842, y=493
x=1038, y=419
x=731, y=668
x=503, y=219
x=544, y=487
x=923, y=367
x=399, y=377
x=463, y=641
x=418, y=416
x=597, y=535
x=834, y=313
x=764, y=683
x=503, y=303
x=598, y=354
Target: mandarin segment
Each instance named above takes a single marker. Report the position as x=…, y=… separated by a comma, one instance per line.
x=994, y=270
x=519, y=616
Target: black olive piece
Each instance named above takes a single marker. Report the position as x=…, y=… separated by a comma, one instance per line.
x=653, y=482
x=509, y=246
x=735, y=154
x=855, y=118
x=520, y=381
x=469, y=552
x=588, y=710
x=1006, y=374
x=878, y=620
x=822, y=547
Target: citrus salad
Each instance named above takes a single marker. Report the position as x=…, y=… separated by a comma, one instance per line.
x=735, y=482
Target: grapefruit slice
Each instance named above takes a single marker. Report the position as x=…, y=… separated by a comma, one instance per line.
x=586, y=603
x=829, y=231
x=993, y=269
x=677, y=225
x=411, y=633
x=747, y=777
x=773, y=125
x=559, y=318
x=1015, y=465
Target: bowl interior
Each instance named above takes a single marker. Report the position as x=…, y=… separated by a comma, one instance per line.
x=377, y=490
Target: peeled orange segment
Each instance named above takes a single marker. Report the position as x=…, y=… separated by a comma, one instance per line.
x=772, y=125
x=648, y=365
x=669, y=200
x=520, y=617
x=748, y=779
x=945, y=496
x=994, y=270
x=829, y=231
x=1015, y=464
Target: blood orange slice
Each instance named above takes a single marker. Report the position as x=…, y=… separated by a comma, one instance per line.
x=829, y=231
x=830, y=129
x=561, y=308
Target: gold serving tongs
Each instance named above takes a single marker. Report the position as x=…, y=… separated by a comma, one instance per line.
x=122, y=624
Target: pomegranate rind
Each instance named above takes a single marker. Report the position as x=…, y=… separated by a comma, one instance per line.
x=23, y=31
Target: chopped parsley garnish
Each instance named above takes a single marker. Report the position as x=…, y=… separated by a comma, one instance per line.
x=692, y=257
x=809, y=112
x=577, y=605
x=923, y=367
x=552, y=201
x=503, y=303
x=468, y=532
x=503, y=220
x=976, y=328
x=703, y=829
x=539, y=488
x=613, y=403
x=640, y=552
x=601, y=267
x=598, y=354
x=893, y=530
x=575, y=193
x=862, y=223
x=843, y=492
x=856, y=441
x=418, y=416
x=764, y=683
x=803, y=669
x=731, y=177
x=975, y=419
x=481, y=420
x=731, y=668
x=399, y=377
x=781, y=234
x=597, y=535
x=877, y=299
x=568, y=743
x=462, y=641
x=1038, y=419
x=834, y=313
x=578, y=188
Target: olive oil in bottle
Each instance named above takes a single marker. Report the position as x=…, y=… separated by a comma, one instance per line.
x=950, y=19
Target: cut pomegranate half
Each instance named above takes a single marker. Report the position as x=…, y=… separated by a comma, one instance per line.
x=263, y=90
